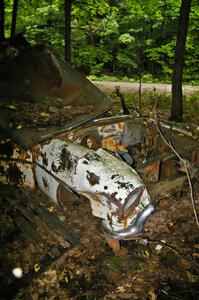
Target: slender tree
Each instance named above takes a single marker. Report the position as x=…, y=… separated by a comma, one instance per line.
x=14, y=19
x=68, y=4
x=177, y=96
x=2, y=20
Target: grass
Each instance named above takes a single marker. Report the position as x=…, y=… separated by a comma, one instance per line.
x=145, y=78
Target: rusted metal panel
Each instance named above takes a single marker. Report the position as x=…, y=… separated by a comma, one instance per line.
x=114, y=137
x=108, y=137
x=169, y=168
x=10, y=150
x=195, y=157
x=150, y=172
x=65, y=195
x=57, y=97
x=17, y=173
x=15, y=165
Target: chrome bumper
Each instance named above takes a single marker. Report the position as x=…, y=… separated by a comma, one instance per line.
x=134, y=229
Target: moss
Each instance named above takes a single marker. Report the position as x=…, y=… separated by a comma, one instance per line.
x=115, y=262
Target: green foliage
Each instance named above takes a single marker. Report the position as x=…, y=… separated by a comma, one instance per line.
x=163, y=55
x=171, y=258
x=120, y=38
x=115, y=262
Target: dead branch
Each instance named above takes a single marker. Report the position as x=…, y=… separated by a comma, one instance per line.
x=122, y=99
x=172, y=126
x=186, y=164
x=171, y=247
x=125, y=109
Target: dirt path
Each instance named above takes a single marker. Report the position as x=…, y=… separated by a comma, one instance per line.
x=128, y=86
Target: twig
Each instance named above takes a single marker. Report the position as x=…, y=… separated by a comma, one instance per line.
x=185, y=164
x=154, y=103
x=169, y=246
x=102, y=284
x=122, y=99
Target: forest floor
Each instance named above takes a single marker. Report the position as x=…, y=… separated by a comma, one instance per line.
x=161, y=264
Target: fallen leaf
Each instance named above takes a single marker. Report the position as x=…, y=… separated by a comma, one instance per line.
x=50, y=209
x=120, y=289
x=191, y=277
x=147, y=252
x=44, y=114
x=11, y=106
x=152, y=295
x=195, y=254
x=36, y=267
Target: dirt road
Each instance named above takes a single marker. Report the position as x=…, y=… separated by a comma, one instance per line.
x=128, y=86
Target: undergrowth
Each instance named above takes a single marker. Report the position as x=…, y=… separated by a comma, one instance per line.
x=162, y=102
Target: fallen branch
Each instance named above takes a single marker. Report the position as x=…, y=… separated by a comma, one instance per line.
x=171, y=247
x=172, y=126
x=186, y=164
x=122, y=99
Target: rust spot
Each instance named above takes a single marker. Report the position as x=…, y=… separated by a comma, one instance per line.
x=45, y=183
x=92, y=156
x=65, y=195
x=114, y=175
x=96, y=198
x=125, y=223
x=45, y=159
x=66, y=91
x=54, y=168
x=110, y=220
x=92, y=178
x=2, y=170
x=6, y=149
x=15, y=175
x=125, y=185
x=36, y=151
x=65, y=161
x=112, y=198
x=168, y=168
x=23, y=154
x=91, y=142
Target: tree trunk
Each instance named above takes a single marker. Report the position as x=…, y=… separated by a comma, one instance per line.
x=177, y=101
x=2, y=20
x=68, y=4
x=14, y=19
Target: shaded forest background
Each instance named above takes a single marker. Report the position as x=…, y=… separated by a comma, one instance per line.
x=124, y=38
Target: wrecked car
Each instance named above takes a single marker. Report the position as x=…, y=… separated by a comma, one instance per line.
x=57, y=134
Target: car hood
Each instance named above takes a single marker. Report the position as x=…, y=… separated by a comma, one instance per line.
x=41, y=96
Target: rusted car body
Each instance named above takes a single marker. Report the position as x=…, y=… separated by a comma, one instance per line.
x=53, y=137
